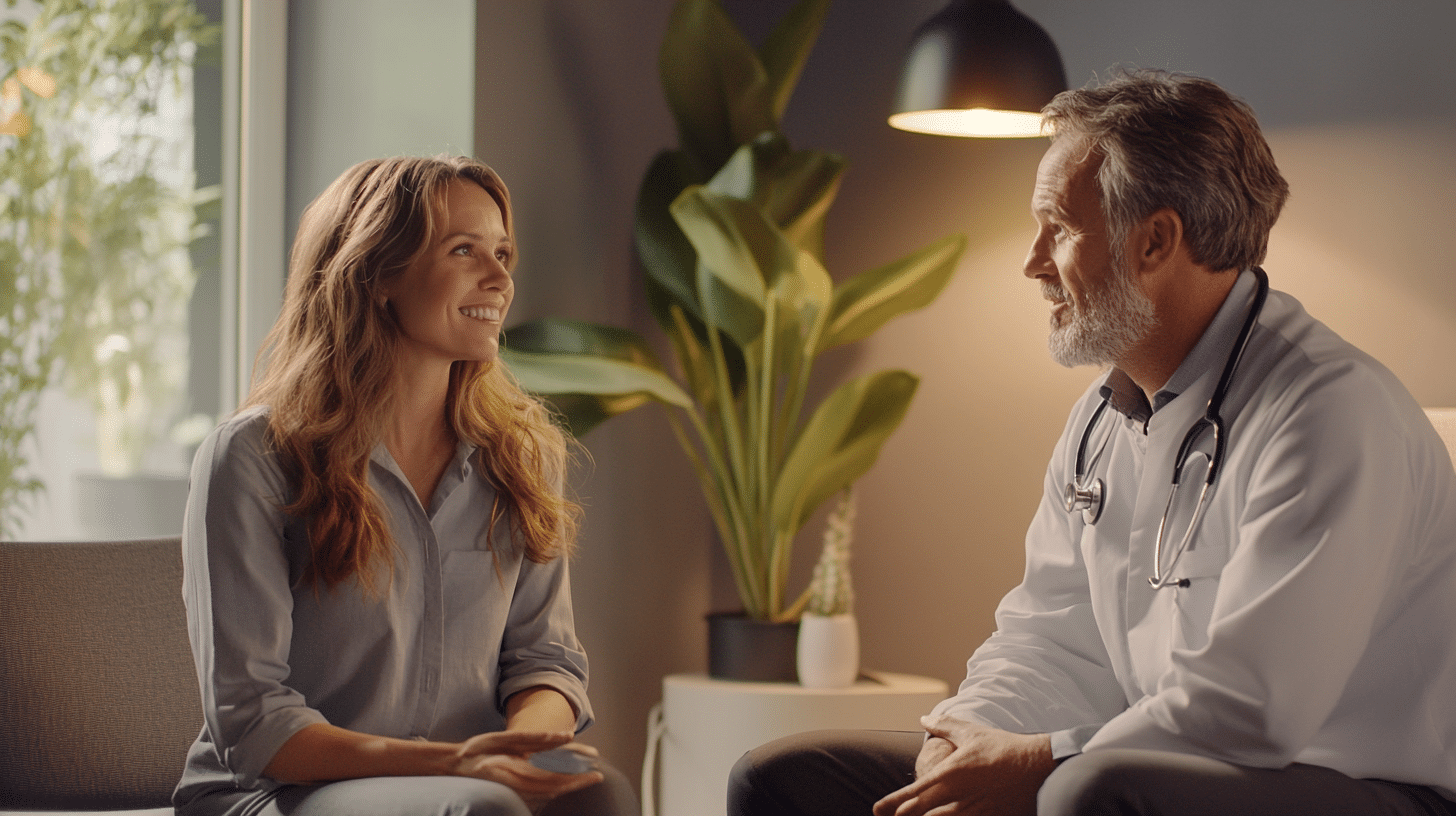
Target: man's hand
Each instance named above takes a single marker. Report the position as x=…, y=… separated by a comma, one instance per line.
x=933, y=752
x=502, y=756
x=971, y=769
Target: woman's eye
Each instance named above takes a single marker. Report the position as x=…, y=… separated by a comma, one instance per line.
x=502, y=255
x=463, y=249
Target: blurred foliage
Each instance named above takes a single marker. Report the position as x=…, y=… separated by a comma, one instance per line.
x=95, y=218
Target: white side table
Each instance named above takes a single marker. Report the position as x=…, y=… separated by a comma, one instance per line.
x=708, y=724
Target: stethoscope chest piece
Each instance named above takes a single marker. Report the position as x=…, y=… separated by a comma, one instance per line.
x=1087, y=499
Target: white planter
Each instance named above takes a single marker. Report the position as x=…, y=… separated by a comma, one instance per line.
x=828, y=650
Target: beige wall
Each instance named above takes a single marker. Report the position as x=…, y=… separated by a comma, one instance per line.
x=1355, y=96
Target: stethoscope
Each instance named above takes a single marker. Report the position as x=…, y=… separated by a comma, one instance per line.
x=1089, y=498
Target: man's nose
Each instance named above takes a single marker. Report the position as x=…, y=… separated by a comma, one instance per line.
x=1037, y=264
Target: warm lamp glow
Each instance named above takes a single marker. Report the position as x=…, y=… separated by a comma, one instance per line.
x=981, y=122
x=978, y=68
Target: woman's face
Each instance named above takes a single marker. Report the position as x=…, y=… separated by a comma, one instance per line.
x=450, y=303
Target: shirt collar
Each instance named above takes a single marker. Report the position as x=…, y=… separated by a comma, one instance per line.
x=459, y=469
x=1209, y=352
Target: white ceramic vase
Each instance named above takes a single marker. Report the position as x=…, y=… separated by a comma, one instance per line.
x=828, y=650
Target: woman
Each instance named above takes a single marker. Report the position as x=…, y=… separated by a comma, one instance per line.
x=375, y=545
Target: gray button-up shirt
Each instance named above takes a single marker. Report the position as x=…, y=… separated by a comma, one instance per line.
x=455, y=629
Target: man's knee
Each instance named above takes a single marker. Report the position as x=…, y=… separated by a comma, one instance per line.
x=758, y=777
x=1090, y=785
x=822, y=772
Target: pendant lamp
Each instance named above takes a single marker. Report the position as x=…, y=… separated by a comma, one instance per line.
x=978, y=68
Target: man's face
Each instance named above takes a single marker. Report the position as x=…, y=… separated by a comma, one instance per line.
x=1098, y=310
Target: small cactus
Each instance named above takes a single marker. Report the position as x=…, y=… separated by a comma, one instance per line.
x=830, y=592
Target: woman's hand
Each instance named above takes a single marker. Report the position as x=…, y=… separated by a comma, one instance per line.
x=504, y=757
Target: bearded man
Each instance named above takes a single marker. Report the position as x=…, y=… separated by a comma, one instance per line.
x=1240, y=584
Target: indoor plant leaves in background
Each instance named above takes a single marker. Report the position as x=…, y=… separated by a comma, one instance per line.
x=729, y=228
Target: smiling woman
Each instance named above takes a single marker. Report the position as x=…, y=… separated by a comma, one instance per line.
x=388, y=508
x=450, y=302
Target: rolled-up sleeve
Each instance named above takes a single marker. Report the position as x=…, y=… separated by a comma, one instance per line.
x=236, y=586
x=539, y=647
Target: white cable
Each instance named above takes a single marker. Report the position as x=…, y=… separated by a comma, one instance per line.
x=656, y=725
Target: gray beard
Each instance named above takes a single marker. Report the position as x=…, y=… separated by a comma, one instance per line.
x=1116, y=316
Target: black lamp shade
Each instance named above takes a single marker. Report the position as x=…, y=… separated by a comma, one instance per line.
x=974, y=58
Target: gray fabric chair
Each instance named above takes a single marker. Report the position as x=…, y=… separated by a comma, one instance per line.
x=98, y=696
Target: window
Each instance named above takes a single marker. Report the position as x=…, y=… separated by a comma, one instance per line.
x=120, y=306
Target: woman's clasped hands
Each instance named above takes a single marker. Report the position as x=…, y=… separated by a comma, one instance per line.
x=505, y=757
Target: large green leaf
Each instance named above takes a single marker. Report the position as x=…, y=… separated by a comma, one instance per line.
x=802, y=300
x=580, y=414
x=839, y=443
x=588, y=389
x=794, y=188
x=867, y=301
x=554, y=335
x=739, y=252
x=667, y=257
x=787, y=49
x=584, y=374
x=715, y=85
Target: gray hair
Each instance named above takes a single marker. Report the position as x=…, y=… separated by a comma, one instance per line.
x=1177, y=141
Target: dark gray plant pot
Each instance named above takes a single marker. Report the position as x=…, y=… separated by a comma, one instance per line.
x=742, y=648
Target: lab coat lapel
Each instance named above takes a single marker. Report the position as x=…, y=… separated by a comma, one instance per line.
x=1150, y=612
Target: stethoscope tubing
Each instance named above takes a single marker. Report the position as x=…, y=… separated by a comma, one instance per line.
x=1089, y=498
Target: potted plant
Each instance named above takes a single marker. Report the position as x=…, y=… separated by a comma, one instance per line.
x=828, y=653
x=94, y=272
x=729, y=229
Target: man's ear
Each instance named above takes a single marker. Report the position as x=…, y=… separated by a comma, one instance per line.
x=1156, y=240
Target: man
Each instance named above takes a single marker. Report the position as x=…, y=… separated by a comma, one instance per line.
x=1297, y=652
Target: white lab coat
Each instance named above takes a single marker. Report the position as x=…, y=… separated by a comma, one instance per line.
x=1319, y=624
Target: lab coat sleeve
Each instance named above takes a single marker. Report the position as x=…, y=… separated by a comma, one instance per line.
x=1329, y=486
x=239, y=603
x=1045, y=669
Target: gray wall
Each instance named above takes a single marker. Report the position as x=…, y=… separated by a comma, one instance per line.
x=372, y=78
x=1357, y=103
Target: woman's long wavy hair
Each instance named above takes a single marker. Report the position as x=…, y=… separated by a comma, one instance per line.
x=327, y=375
